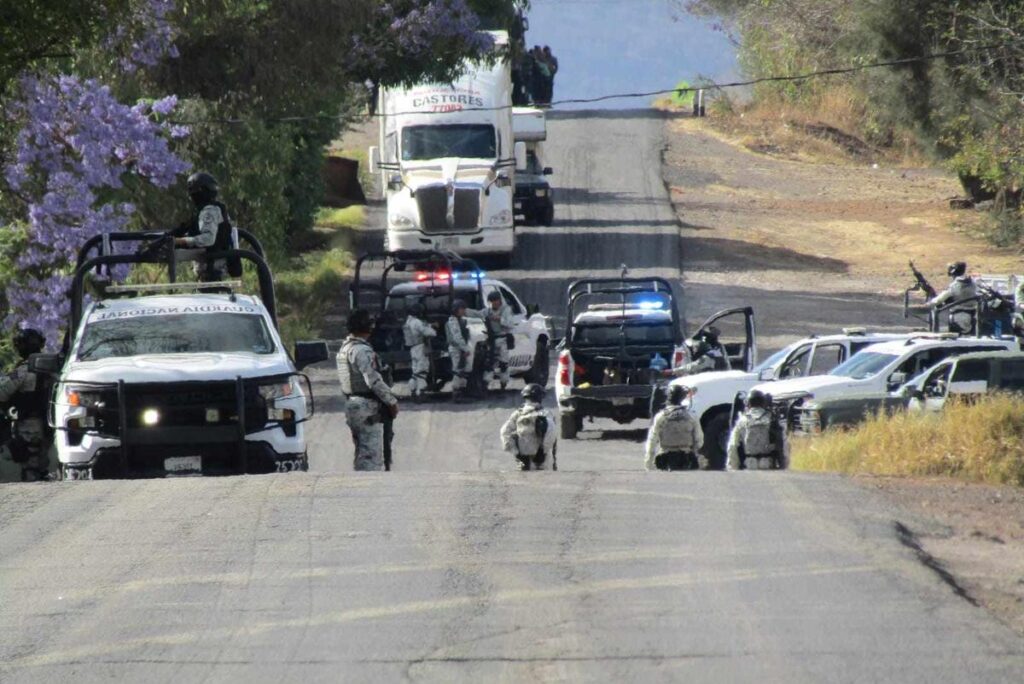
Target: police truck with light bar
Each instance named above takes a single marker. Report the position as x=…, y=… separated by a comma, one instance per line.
x=175, y=378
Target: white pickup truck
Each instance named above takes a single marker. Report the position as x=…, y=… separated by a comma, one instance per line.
x=176, y=379
x=714, y=392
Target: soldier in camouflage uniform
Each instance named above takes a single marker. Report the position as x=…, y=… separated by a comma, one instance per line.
x=675, y=438
x=417, y=336
x=23, y=391
x=457, y=334
x=367, y=396
x=961, y=288
x=529, y=433
x=500, y=325
x=755, y=442
x=710, y=355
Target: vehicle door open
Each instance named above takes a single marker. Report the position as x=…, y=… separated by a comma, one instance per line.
x=736, y=333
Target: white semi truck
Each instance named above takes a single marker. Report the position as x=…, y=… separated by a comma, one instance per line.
x=447, y=158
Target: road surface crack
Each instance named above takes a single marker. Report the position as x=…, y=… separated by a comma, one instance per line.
x=910, y=540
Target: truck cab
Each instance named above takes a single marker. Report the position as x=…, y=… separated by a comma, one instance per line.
x=534, y=200
x=447, y=158
x=176, y=378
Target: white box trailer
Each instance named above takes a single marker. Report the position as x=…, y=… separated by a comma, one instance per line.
x=447, y=158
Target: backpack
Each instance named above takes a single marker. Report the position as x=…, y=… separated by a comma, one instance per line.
x=758, y=438
x=531, y=429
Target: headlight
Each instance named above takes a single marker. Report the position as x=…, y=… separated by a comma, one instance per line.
x=276, y=390
x=401, y=222
x=541, y=192
x=78, y=396
x=502, y=218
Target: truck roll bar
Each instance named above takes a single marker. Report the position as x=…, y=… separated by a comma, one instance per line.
x=77, y=294
x=589, y=287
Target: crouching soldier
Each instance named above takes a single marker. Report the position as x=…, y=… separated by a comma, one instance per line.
x=457, y=334
x=417, y=335
x=757, y=441
x=675, y=437
x=529, y=433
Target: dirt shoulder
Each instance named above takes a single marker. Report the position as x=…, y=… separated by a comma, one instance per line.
x=775, y=222
x=973, y=532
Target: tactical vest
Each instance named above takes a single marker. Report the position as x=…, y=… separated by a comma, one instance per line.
x=31, y=400
x=531, y=428
x=676, y=430
x=352, y=381
x=757, y=440
x=411, y=332
x=224, y=240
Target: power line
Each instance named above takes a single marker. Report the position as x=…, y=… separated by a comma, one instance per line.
x=838, y=71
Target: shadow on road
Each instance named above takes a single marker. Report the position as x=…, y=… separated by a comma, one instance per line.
x=726, y=255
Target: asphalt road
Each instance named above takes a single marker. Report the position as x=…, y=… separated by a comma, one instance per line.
x=454, y=568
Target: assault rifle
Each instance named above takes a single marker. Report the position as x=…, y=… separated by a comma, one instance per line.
x=922, y=283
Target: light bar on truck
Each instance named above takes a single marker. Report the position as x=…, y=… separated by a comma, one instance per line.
x=444, y=276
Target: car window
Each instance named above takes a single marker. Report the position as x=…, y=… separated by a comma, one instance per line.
x=175, y=334
x=972, y=370
x=857, y=346
x=935, y=385
x=1012, y=375
x=826, y=357
x=796, y=364
x=512, y=302
x=864, y=365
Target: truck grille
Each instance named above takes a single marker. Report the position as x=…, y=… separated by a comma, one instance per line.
x=433, y=205
x=192, y=404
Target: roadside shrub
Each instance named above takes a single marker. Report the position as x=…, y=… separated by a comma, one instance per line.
x=981, y=441
x=306, y=294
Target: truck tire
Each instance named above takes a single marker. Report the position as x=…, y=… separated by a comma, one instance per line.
x=569, y=425
x=716, y=437
x=547, y=217
x=541, y=369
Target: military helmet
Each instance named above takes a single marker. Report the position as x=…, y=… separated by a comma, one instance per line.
x=458, y=304
x=359, y=322
x=28, y=341
x=533, y=392
x=757, y=399
x=956, y=269
x=417, y=309
x=202, y=182
x=711, y=334
x=677, y=394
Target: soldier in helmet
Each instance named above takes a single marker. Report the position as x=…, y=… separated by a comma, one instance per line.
x=367, y=395
x=209, y=230
x=757, y=442
x=23, y=394
x=417, y=334
x=457, y=335
x=500, y=325
x=529, y=433
x=961, y=288
x=708, y=355
x=675, y=437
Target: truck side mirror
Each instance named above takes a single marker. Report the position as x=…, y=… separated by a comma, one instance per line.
x=46, y=364
x=766, y=374
x=374, y=159
x=548, y=171
x=520, y=155
x=897, y=379
x=308, y=353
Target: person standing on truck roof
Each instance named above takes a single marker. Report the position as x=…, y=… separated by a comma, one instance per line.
x=675, y=437
x=500, y=325
x=709, y=356
x=552, y=62
x=961, y=288
x=757, y=441
x=208, y=231
x=541, y=74
x=417, y=334
x=24, y=391
x=529, y=433
x=367, y=396
x=457, y=335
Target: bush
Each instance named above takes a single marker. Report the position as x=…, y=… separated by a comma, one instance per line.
x=981, y=441
x=305, y=294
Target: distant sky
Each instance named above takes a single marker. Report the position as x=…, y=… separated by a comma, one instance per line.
x=611, y=46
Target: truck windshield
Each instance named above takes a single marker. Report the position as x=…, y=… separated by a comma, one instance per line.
x=611, y=335
x=471, y=141
x=863, y=365
x=175, y=334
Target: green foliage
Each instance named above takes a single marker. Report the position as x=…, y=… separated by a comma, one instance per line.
x=306, y=292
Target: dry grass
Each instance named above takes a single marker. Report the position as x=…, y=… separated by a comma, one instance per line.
x=980, y=442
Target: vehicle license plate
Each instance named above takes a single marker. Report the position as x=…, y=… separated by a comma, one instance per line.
x=184, y=465
x=621, y=401
x=450, y=242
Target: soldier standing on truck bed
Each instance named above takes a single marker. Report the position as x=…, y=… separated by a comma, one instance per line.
x=960, y=289
x=367, y=396
x=208, y=231
x=457, y=334
x=417, y=334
